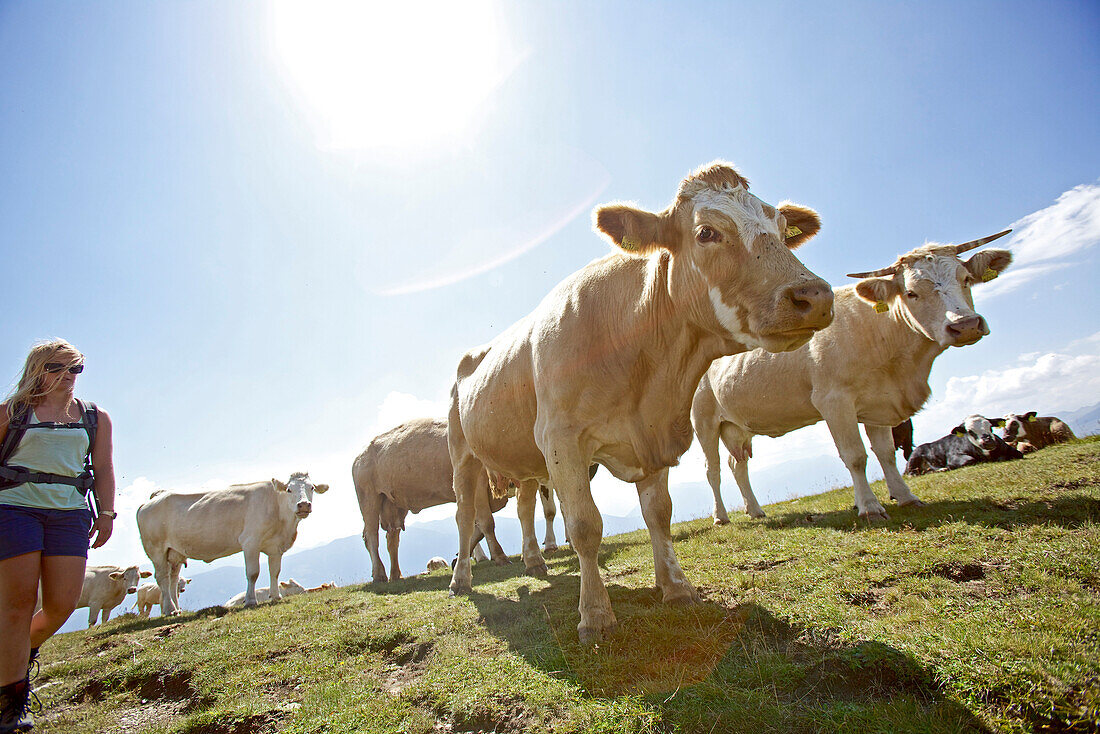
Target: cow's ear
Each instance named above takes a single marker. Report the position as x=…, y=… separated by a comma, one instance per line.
x=146, y=574
x=959, y=431
x=115, y=575
x=988, y=264
x=320, y=488
x=877, y=290
x=802, y=223
x=998, y=422
x=1030, y=416
x=279, y=486
x=635, y=230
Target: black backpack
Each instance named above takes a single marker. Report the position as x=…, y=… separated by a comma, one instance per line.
x=11, y=476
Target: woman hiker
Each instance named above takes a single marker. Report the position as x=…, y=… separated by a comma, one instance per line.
x=53, y=450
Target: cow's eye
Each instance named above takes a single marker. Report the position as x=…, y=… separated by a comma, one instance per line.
x=911, y=294
x=708, y=234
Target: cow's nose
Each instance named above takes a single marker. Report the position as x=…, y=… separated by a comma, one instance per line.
x=813, y=301
x=968, y=329
x=305, y=507
x=131, y=590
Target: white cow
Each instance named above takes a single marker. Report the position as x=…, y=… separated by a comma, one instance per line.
x=603, y=370
x=437, y=562
x=286, y=588
x=149, y=594
x=870, y=366
x=105, y=587
x=255, y=518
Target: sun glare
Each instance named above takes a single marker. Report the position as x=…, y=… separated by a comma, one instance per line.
x=391, y=75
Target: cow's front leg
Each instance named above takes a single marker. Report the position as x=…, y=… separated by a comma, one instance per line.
x=549, y=513
x=483, y=516
x=882, y=443
x=707, y=425
x=569, y=478
x=393, y=542
x=93, y=615
x=274, y=567
x=370, y=504
x=840, y=416
x=105, y=614
x=162, y=573
x=657, y=511
x=173, y=584
x=251, y=573
x=533, y=561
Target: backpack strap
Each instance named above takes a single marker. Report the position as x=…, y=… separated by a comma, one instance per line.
x=11, y=476
x=17, y=426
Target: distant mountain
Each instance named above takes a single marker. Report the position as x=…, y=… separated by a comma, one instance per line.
x=1084, y=421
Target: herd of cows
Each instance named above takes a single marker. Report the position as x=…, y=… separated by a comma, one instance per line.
x=703, y=324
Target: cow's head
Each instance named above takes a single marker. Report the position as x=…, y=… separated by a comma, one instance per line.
x=290, y=587
x=129, y=578
x=978, y=430
x=1016, y=426
x=929, y=289
x=182, y=584
x=732, y=265
x=300, y=490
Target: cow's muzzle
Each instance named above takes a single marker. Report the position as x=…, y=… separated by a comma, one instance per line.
x=304, y=508
x=813, y=302
x=131, y=590
x=967, y=330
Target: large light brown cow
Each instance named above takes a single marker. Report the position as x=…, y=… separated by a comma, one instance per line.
x=1031, y=432
x=261, y=517
x=870, y=366
x=407, y=469
x=105, y=587
x=148, y=595
x=603, y=370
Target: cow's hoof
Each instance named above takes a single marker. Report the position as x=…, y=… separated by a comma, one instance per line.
x=460, y=589
x=501, y=561
x=249, y=604
x=681, y=597
x=591, y=634
x=914, y=502
x=540, y=571
x=872, y=514
x=550, y=548
x=721, y=521
x=757, y=514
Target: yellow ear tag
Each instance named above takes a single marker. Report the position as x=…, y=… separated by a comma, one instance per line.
x=881, y=307
x=792, y=231
x=1032, y=419
x=629, y=243
x=989, y=275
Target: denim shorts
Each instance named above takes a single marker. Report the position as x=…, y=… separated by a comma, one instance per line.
x=53, y=532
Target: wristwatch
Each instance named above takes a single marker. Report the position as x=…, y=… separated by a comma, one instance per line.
x=109, y=513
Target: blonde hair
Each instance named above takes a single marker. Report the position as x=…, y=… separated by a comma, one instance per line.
x=30, y=388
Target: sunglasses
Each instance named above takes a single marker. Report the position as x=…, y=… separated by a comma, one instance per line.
x=55, y=367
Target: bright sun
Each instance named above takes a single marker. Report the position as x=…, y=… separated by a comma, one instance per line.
x=391, y=75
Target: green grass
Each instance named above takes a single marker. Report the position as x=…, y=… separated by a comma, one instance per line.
x=980, y=611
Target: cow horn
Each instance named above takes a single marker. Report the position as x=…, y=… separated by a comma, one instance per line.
x=875, y=273
x=959, y=249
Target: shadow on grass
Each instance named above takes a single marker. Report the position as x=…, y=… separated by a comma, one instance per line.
x=707, y=667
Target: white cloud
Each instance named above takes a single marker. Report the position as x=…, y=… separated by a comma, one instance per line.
x=1067, y=227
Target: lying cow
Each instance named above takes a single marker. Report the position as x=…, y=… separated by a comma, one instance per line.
x=149, y=594
x=323, y=587
x=603, y=370
x=407, y=469
x=970, y=442
x=105, y=587
x=436, y=563
x=286, y=588
x=1029, y=432
x=870, y=366
x=254, y=518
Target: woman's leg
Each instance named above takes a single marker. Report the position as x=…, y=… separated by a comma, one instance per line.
x=18, y=593
x=62, y=580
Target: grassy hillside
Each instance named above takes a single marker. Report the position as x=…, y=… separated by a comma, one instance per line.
x=979, y=611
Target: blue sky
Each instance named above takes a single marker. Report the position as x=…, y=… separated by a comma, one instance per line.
x=274, y=232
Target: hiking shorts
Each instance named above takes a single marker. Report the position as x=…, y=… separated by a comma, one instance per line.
x=53, y=532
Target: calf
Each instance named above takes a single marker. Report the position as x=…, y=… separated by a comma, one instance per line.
x=437, y=562
x=261, y=517
x=286, y=588
x=105, y=587
x=970, y=442
x=149, y=594
x=1029, y=432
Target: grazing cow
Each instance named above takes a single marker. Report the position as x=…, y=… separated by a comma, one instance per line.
x=105, y=587
x=437, y=562
x=870, y=366
x=322, y=587
x=149, y=594
x=970, y=442
x=261, y=517
x=407, y=469
x=286, y=588
x=1029, y=432
x=602, y=371
x=902, y=434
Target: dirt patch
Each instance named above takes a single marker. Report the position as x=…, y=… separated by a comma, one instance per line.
x=873, y=599
x=263, y=723
x=166, y=631
x=1075, y=484
x=498, y=716
x=765, y=565
x=959, y=572
x=159, y=715
x=406, y=666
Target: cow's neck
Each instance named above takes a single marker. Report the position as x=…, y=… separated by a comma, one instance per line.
x=901, y=350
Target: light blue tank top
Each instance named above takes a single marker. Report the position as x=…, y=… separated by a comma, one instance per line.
x=58, y=450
